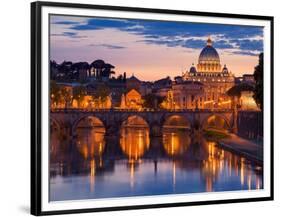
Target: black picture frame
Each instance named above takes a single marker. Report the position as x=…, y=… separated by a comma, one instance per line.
x=36, y=105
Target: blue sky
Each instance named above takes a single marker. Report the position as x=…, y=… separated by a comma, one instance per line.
x=86, y=35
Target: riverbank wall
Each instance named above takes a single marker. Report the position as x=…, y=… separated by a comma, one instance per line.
x=250, y=125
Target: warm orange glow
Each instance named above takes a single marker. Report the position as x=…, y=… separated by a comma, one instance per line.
x=175, y=142
x=90, y=143
x=258, y=182
x=168, y=103
x=247, y=101
x=210, y=101
x=242, y=175
x=134, y=142
x=92, y=174
x=225, y=102
x=249, y=181
x=209, y=184
x=132, y=175
x=216, y=122
x=132, y=100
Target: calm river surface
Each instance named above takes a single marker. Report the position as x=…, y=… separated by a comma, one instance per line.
x=94, y=166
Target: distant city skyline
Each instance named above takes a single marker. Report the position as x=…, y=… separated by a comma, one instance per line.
x=152, y=50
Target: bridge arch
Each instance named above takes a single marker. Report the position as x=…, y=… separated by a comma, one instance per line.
x=134, y=136
x=216, y=121
x=54, y=124
x=57, y=136
x=89, y=131
x=176, y=138
x=93, y=121
x=176, y=121
x=134, y=119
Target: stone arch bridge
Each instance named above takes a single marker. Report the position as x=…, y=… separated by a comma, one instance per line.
x=67, y=120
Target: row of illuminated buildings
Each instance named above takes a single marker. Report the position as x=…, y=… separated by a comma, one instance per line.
x=204, y=86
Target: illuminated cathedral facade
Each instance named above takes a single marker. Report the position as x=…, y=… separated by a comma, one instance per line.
x=216, y=80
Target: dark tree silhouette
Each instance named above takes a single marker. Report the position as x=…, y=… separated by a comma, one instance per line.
x=152, y=101
x=124, y=76
x=79, y=92
x=102, y=92
x=53, y=69
x=237, y=89
x=258, y=75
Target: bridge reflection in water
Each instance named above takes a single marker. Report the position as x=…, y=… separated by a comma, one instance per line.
x=134, y=139
x=92, y=166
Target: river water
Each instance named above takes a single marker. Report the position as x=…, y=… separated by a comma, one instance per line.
x=94, y=166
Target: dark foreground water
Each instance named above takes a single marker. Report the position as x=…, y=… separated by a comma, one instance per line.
x=135, y=165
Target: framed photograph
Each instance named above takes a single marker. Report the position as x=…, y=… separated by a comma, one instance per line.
x=138, y=108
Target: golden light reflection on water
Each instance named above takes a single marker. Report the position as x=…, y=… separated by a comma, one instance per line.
x=211, y=166
x=91, y=142
x=176, y=142
x=219, y=161
x=91, y=145
x=242, y=171
x=92, y=174
x=216, y=167
x=134, y=141
x=132, y=175
x=258, y=182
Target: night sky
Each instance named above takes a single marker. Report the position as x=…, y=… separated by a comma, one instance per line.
x=152, y=49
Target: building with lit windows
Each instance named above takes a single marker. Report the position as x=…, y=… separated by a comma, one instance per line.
x=216, y=79
x=188, y=95
x=131, y=100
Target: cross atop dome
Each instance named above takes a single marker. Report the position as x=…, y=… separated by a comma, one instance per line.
x=209, y=41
